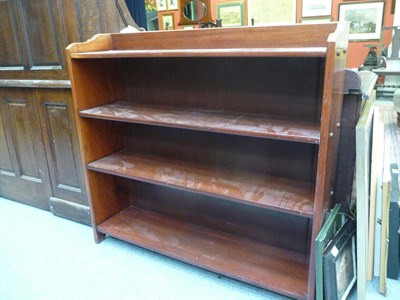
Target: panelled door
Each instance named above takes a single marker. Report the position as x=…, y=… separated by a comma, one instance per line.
x=40, y=161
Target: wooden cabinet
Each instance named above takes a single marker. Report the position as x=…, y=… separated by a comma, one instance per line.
x=216, y=147
x=40, y=162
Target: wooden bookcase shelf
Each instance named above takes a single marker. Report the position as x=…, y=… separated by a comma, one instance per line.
x=206, y=120
x=238, y=52
x=215, y=147
x=262, y=190
x=265, y=266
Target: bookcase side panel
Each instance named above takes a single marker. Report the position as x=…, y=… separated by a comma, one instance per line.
x=330, y=133
x=97, y=82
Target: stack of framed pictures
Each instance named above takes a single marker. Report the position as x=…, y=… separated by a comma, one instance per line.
x=331, y=226
x=339, y=260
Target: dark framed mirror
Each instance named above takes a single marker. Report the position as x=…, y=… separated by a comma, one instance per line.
x=194, y=11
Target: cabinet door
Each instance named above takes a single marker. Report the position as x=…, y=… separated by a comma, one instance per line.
x=24, y=174
x=63, y=156
x=61, y=143
x=32, y=56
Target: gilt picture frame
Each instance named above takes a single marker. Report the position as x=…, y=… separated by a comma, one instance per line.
x=172, y=4
x=168, y=21
x=231, y=14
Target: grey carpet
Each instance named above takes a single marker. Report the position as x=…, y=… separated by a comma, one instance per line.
x=49, y=258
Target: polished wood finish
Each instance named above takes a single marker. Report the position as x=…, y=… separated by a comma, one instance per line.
x=262, y=191
x=275, y=268
x=268, y=226
x=62, y=149
x=239, y=52
x=41, y=165
x=330, y=132
x=149, y=126
x=23, y=170
x=299, y=36
x=35, y=33
x=251, y=155
x=211, y=121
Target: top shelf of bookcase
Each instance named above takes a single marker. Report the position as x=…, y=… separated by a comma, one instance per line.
x=305, y=40
x=228, y=52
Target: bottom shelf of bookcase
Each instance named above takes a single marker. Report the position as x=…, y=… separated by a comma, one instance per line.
x=273, y=268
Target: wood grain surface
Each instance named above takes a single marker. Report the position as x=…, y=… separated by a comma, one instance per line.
x=270, y=267
x=279, y=193
x=236, y=52
x=222, y=84
x=206, y=120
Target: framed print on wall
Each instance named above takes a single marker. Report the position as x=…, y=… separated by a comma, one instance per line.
x=365, y=19
x=172, y=4
x=314, y=8
x=168, y=22
x=267, y=12
x=231, y=14
x=161, y=5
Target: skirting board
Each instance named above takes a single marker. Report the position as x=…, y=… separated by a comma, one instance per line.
x=73, y=211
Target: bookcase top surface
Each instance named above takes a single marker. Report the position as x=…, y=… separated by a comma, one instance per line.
x=237, y=52
x=290, y=40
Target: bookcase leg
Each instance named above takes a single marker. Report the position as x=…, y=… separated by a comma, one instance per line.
x=98, y=236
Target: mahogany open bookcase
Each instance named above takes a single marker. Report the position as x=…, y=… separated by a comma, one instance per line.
x=216, y=147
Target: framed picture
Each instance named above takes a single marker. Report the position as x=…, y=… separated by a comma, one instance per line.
x=331, y=226
x=365, y=19
x=172, y=4
x=161, y=5
x=313, y=8
x=231, y=14
x=168, y=22
x=316, y=20
x=340, y=263
x=267, y=12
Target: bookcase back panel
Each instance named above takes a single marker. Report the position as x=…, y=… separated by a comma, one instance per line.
x=292, y=36
x=236, y=153
x=279, y=87
x=275, y=228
